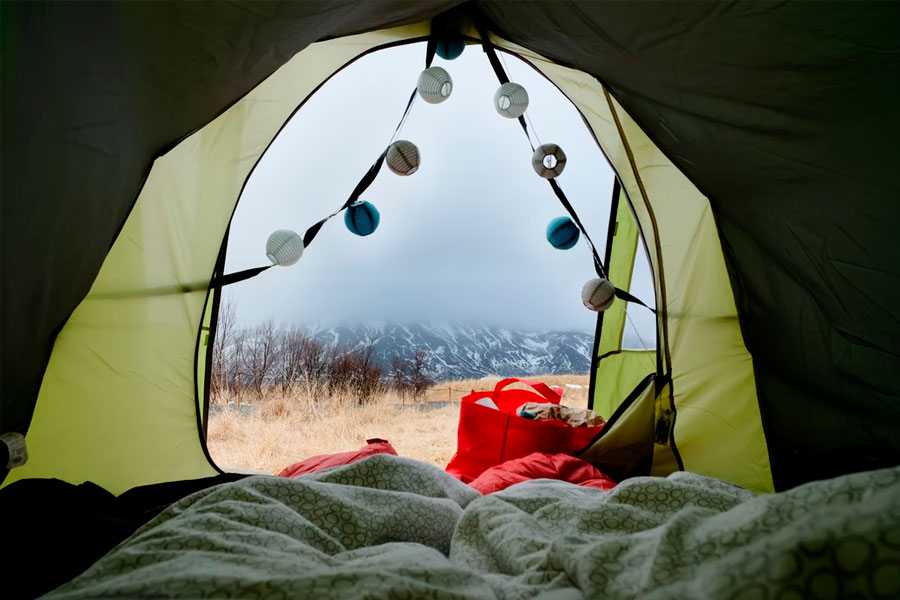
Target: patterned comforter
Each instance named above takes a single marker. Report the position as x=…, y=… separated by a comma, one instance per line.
x=390, y=527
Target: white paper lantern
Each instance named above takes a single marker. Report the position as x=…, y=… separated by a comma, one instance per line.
x=403, y=157
x=598, y=294
x=434, y=85
x=548, y=161
x=284, y=247
x=511, y=100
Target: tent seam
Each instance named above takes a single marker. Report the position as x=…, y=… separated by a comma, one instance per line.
x=662, y=280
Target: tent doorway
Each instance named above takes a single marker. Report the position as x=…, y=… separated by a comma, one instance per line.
x=458, y=268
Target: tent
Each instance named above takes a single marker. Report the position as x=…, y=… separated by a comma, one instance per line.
x=754, y=146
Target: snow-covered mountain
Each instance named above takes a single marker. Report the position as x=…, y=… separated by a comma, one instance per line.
x=468, y=352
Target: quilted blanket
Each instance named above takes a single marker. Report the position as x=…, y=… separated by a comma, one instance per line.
x=390, y=527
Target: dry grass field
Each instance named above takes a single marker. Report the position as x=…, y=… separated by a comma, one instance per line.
x=277, y=430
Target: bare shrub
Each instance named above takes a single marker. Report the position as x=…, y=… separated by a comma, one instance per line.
x=409, y=376
x=314, y=359
x=225, y=326
x=235, y=364
x=420, y=378
x=263, y=359
x=261, y=355
x=354, y=373
x=290, y=359
x=399, y=376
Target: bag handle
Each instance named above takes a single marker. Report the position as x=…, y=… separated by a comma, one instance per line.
x=541, y=388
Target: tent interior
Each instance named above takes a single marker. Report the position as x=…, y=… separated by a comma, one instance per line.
x=753, y=155
x=458, y=252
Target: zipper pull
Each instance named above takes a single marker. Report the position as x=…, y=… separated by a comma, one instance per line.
x=663, y=428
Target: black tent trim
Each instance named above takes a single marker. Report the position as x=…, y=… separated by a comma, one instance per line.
x=607, y=256
x=201, y=405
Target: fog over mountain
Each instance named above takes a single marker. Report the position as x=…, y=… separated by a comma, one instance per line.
x=463, y=351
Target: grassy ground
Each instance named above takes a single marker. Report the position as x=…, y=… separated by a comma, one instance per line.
x=277, y=430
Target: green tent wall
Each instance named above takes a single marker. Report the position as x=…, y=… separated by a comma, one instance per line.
x=781, y=115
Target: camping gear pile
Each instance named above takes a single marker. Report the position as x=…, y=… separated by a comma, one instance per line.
x=491, y=431
x=755, y=160
x=576, y=417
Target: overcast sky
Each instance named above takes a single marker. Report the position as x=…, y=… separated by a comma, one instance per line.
x=462, y=239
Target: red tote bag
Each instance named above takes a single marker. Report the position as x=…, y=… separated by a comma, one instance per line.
x=488, y=437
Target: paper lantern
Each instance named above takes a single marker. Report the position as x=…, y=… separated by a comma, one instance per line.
x=434, y=85
x=511, y=100
x=562, y=233
x=284, y=247
x=403, y=157
x=362, y=218
x=451, y=48
x=598, y=294
x=548, y=161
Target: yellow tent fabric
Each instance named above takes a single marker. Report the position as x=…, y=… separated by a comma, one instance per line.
x=618, y=371
x=718, y=429
x=117, y=405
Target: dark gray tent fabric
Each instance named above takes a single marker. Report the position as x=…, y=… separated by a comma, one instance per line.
x=782, y=114
x=785, y=116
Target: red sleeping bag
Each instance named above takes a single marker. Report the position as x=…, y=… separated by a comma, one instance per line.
x=534, y=466
x=541, y=466
x=324, y=461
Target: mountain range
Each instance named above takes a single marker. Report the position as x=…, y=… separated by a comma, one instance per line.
x=469, y=352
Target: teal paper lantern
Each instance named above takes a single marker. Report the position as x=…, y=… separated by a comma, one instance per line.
x=448, y=49
x=562, y=233
x=361, y=218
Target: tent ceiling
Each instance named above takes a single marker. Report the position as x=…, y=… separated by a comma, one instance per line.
x=785, y=117
x=782, y=114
